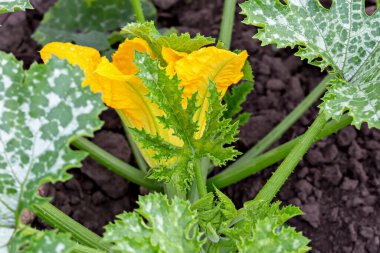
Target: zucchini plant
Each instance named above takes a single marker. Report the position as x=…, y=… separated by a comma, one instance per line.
x=172, y=93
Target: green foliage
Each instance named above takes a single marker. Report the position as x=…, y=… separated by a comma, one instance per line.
x=156, y=226
x=257, y=227
x=268, y=237
x=182, y=43
x=14, y=5
x=28, y=240
x=167, y=94
x=40, y=110
x=214, y=209
x=234, y=99
x=260, y=227
x=88, y=23
x=343, y=37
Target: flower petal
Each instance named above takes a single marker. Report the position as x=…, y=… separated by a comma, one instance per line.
x=171, y=57
x=210, y=63
x=86, y=58
x=124, y=56
x=196, y=70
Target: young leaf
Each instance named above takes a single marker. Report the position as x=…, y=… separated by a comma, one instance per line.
x=156, y=226
x=268, y=237
x=14, y=5
x=40, y=110
x=260, y=227
x=182, y=43
x=93, y=23
x=343, y=37
x=167, y=94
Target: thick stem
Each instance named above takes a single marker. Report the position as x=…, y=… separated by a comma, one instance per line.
x=83, y=249
x=137, y=9
x=281, y=128
x=276, y=181
x=228, y=177
x=205, y=165
x=228, y=19
x=114, y=164
x=135, y=150
x=200, y=179
x=57, y=219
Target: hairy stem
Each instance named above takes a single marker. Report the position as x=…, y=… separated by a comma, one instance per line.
x=57, y=219
x=137, y=9
x=200, y=179
x=228, y=19
x=228, y=177
x=115, y=164
x=136, y=153
x=135, y=150
x=83, y=249
x=281, y=128
x=276, y=181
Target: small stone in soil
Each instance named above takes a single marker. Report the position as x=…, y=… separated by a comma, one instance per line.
x=346, y=136
x=332, y=174
x=312, y=214
x=349, y=184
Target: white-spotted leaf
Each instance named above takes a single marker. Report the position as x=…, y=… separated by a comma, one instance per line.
x=29, y=240
x=88, y=23
x=343, y=37
x=156, y=226
x=41, y=109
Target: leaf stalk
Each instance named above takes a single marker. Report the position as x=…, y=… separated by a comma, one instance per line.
x=115, y=164
x=57, y=219
x=137, y=9
x=277, y=180
x=282, y=127
x=227, y=24
x=229, y=177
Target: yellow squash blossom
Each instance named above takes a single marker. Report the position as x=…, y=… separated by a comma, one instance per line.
x=122, y=90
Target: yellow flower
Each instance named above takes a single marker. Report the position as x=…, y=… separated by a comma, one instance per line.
x=122, y=90
x=196, y=69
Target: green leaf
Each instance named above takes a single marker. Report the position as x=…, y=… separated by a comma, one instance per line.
x=28, y=240
x=14, y=5
x=234, y=99
x=167, y=94
x=360, y=96
x=260, y=227
x=214, y=209
x=183, y=42
x=268, y=238
x=343, y=37
x=41, y=109
x=218, y=133
x=156, y=226
x=87, y=23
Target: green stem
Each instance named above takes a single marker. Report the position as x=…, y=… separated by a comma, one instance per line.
x=228, y=177
x=114, y=164
x=57, y=219
x=83, y=249
x=135, y=150
x=281, y=128
x=205, y=165
x=200, y=179
x=137, y=9
x=228, y=19
x=275, y=182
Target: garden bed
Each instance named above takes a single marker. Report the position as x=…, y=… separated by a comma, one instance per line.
x=336, y=184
